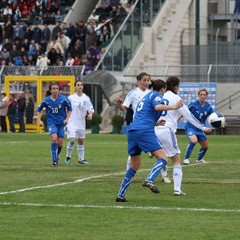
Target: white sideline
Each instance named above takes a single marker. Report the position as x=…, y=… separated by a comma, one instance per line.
x=121, y=207
x=77, y=181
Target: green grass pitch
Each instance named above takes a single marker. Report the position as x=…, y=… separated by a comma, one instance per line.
x=76, y=201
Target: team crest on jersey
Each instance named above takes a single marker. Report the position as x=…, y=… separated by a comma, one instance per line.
x=158, y=99
x=59, y=106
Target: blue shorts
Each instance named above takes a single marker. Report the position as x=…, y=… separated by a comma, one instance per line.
x=142, y=140
x=56, y=129
x=201, y=136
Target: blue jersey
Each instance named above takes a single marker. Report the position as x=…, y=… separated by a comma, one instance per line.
x=200, y=112
x=146, y=116
x=55, y=109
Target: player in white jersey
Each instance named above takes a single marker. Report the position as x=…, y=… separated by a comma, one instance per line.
x=82, y=108
x=167, y=128
x=133, y=98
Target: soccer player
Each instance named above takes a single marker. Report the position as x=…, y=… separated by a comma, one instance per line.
x=82, y=108
x=58, y=110
x=201, y=109
x=133, y=98
x=141, y=137
x=167, y=128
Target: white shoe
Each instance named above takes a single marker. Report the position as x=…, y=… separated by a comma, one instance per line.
x=166, y=179
x=179, y=193
x=201, y=161
x=186, y=162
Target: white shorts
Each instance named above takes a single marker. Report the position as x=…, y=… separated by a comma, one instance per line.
x=76, y=133
x=168, y=139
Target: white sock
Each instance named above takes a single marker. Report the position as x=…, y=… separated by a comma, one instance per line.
x=164, y=172
x=69, y=150
x=80, y=149
x=128, y=163
x=177, y=177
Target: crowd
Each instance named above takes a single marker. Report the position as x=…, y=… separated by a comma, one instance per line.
x=33, y=33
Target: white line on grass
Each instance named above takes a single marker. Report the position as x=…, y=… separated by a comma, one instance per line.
x=76, y=181
x=121, y=207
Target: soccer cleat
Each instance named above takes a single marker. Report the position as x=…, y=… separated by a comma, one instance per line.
x=201, y=161
x=151, y=186
x=179, y=193
x=186, y=162
x=150, y=155
x=118, y=199
x=67, y=160
x=54, y=164
x=82, y=162
x=166, y=179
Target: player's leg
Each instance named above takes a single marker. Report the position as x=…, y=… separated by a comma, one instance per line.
x=190, y=133
x=54, y=149
x=128, y=163
x=80, y=146
x=60, y=135
x=204, y=147
x=71, y=136
x=177, y=175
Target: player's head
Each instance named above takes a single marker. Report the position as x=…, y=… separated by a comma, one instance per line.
x=143, y=80
x=78, y=86
x=53, y=89
x=202, y=94
x=159, y=85
x=173, y=84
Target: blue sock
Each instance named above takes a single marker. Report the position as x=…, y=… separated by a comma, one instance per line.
x=157, y=167
x=130, y=173
x=54, y=152
x=201, y=153
x=189, y=150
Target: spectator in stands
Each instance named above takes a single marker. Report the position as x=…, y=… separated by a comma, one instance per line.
x=1, y=34
x=77, y=61
x=7, y=44
x=14, y=52
x=95, y=54
x=53, y=56
x=7, y=13
x=25, y=44
x=42, y=61
x=18, y=31
x=54, y=44
x=21, y=111
x=8, y=30
x=34, y=45
x=17, y=15
x=18, y=60
x=12, y=109
x=26, y=12
x=58, y=16
x=25, y=60
x=5, y=54
x=56, y=30
x=3, y=112
x=46, y=33
x=70, y=61
x=30, y=110
x=43, y=45
x=88, y=64
x=77, y=49
x=37, y=33
x=54, y=7
x=28, y=34
x=82, y=34
x=91, y=38
x=65, y=28
x=65, y=42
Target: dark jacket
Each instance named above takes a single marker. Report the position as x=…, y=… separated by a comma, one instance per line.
x=21, y=104
x=12, y=107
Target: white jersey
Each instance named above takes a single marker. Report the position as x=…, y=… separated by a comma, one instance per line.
x=80, y=107
x=171, y=116
x=134, y=97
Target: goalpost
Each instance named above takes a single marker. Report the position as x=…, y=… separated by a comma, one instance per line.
x=39, y=85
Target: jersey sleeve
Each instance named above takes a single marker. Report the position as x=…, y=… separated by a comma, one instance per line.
x=190, y=117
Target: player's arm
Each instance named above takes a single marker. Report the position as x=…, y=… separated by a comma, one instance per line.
x=89, y=115
x=162, y=107
x=190, y=118
x=119, y=102
x=39, y=121
x=67, y=118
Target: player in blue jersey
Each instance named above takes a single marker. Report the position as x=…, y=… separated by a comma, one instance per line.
x=58, y=110
x=141, y=136
x=201, y=110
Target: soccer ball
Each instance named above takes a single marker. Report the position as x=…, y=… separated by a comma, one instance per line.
x=216, y=120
